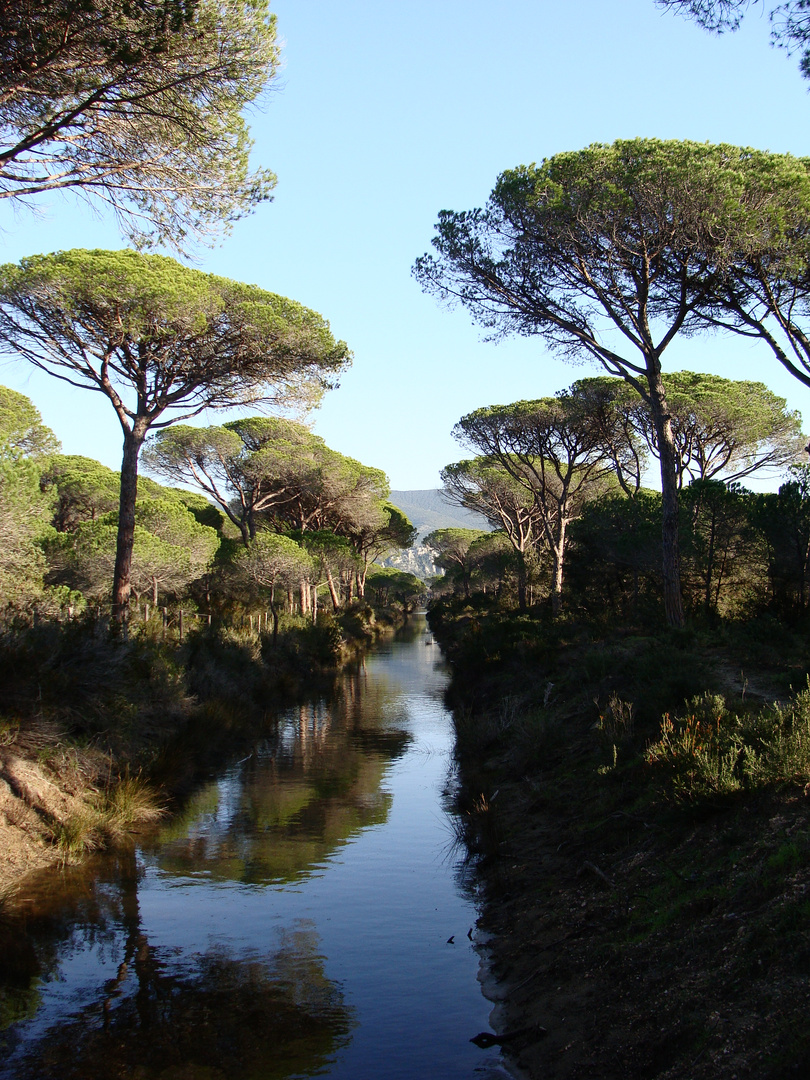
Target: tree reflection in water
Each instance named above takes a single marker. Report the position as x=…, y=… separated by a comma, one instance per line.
x=271, y=818
x=208, y=1016
x=269, y=1018
x=302, y=793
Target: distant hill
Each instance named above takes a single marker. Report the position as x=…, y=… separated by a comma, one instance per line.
x=428, y=510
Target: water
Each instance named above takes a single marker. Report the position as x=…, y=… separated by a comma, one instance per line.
x=293, y=921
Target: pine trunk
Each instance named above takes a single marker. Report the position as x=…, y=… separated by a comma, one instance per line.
x=330, y=581
x=671, y=562
x=558, y=556
x=521, y=580
x=133, y=441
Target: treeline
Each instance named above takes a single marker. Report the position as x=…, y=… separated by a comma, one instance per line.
x=280, y=523
x=561, y=480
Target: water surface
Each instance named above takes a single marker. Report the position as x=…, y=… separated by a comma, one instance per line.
x=292, y=921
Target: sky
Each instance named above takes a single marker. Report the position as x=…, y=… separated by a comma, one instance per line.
x=385, y=114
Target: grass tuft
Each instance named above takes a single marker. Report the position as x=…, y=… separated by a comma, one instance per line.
x=129, y=805
x=106, y=817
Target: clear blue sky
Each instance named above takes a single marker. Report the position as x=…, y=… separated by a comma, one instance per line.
x=383, y=115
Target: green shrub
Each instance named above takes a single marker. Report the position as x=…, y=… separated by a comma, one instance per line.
x=357, y=622
x=711, y=751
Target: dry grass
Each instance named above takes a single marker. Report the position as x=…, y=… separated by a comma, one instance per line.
x=59, y=801
x=104, y=818
x=129, y=805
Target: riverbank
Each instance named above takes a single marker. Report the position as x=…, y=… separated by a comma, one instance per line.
x=647, y=897
x=100, y=735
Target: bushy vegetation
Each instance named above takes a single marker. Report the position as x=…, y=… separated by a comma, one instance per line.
x=742, y=554
x=218, y=615
x=709, y=749
x=107, y=816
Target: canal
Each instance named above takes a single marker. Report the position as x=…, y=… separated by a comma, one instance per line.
x=306, y=913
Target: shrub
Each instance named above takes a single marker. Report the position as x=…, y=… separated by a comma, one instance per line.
x=711, y=751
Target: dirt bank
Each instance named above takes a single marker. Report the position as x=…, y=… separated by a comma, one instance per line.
x=635, y=936
x=58, y=800
x=635, y=932
x=652, y=951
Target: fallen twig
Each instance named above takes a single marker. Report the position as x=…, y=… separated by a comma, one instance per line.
x=595, y=870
